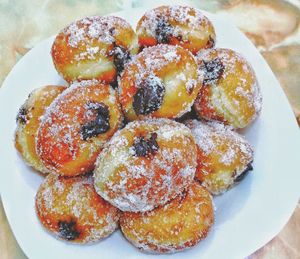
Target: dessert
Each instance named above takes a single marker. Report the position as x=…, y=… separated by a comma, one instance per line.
x=70, y=209
x=28, y=122
x=94, y=47
x=146, y=164
x=161, y=81
x=76, y=126
x=224, y=157
x=177, y=225
x=230, y=91
x=176, y=25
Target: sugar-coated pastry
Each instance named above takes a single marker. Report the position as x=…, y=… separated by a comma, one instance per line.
x=28, y=122
x=70, y=208
x=161, y=81
x=178, y=225
x=146, y=164
x=230, y=91
x=76, y=126
x=94, y=47
x=223, y=156
x=176, y=25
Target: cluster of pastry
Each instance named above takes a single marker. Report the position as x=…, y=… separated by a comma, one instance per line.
x=144, y=134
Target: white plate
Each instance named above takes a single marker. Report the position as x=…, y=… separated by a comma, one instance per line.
x=246, y=217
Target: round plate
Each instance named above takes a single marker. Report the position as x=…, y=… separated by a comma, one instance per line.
x=246, y=217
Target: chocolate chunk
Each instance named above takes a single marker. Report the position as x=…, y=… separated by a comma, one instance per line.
x=120, y=57
x=67, y=230
x=143, y=148
x=163, y=31
x=99, y=125
x=214, y=69
x=244, y=173
x=149, y=96
x=22, y=116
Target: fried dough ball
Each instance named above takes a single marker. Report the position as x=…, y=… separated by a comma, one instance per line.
x=71, y=209
x=177, y=225
x=161, y=81
x=28, y=122
x=224, y=157
x=230, y=91
x=76, y=126
x=176, y=25
x=146, y=164
x=94, y=48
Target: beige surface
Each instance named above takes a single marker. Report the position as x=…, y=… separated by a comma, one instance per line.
x=275, y=31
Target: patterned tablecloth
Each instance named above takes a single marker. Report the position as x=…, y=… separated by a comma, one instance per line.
x=275, y=31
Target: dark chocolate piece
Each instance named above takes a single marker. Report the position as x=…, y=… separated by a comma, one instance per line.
x=67, y=230
x=99, y=125
x=149, y=96
x=144, y=147
x=163, y=31
x=120, y=57
x=22, y=116
x=214, y=69
x=244, y=173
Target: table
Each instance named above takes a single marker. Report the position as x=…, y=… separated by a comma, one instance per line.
x=275, y=31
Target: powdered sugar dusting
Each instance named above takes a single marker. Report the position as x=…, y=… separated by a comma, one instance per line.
x=151, y=189
x=178, y=16
x=236, y=87
x=100, y=28
x=210, y=135
x=61, y=198
x=60, y=130
x=179, y=219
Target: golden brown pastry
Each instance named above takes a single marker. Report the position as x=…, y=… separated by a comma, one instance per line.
x=230, y=91
x=161, y=81
x=76, y=126
x=223, y=156
x=176, y=25
x=146, y=164
x=28, y=122
x=94, y=47
x=178, y=225
x=70, y=209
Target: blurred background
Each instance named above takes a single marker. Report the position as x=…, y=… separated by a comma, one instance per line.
x=272, y=25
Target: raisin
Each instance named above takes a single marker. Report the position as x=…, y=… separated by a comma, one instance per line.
x=163, y=31
x=99, y=125
x=120, y=57
x=149, y=96
x=67, y=230
x=214, y=69
x=22, y=116
x=244, y=173
x=143, y=148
